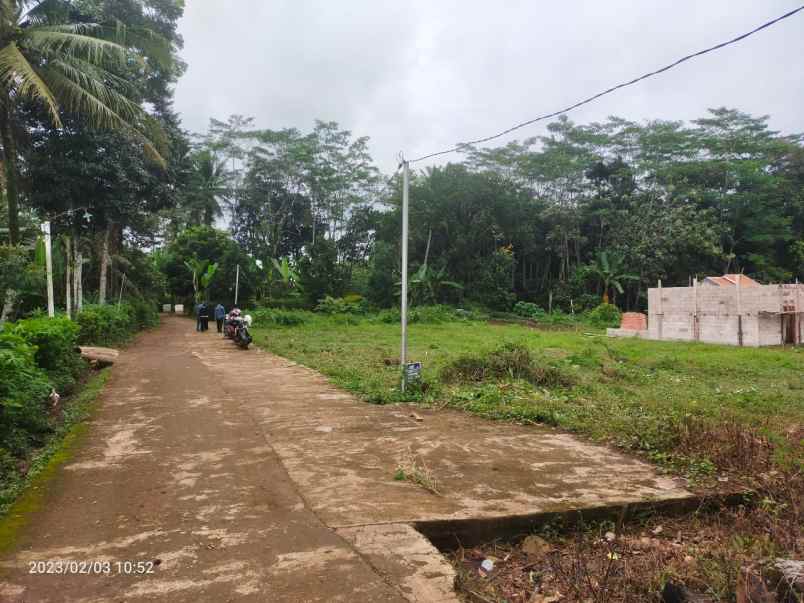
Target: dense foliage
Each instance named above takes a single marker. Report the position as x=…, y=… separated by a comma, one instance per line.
x=39, y=355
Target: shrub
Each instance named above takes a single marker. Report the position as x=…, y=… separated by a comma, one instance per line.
x=105, y=325
x=512, y=361
x=351, y=304
x=285, y=318
x=144, y=313
x=529, y=310
x=428, y=315
x=54, y=340
x=286, y=303
x=605, y=315
x=585, y=301
x=23, y=389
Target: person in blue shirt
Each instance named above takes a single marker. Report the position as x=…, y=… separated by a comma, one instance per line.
x=220, y=314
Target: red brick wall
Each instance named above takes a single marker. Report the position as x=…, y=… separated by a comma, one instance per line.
x=634, y=321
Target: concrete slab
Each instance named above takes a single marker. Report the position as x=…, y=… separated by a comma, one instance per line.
x=415, y=565
x=342, y=453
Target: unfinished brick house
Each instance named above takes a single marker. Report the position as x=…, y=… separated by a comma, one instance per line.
x=731, y=309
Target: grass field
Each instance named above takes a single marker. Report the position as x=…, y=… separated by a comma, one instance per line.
x=727, y=418
x=636, y=394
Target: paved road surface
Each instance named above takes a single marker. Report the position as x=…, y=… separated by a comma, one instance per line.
x=250, y=478
x=177, y=469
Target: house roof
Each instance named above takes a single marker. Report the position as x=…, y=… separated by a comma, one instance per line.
x=730, y=280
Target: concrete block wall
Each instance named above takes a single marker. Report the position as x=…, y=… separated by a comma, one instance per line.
x=672, y=313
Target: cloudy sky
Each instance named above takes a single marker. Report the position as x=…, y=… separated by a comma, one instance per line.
x=422, y=75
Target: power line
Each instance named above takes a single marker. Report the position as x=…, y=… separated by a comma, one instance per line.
x=463, y=145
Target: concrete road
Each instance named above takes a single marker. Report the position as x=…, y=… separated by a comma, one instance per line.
x=217, y=474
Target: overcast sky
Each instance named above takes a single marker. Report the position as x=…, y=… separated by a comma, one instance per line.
x=418, y=76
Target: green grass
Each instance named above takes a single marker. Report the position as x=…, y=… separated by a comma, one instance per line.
x=633, y=393
x=24, y=496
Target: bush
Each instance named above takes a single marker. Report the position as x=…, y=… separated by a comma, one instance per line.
x=428, y=315
x=23, y=389
x=54, y=340
x=605, y=315
x=529, y=310
x=512, y=361
x=145, y=313
x=285, y=318
x=351, y=304
x=105, y=325
x=286, y=303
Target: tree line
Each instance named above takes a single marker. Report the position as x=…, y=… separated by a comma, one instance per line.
x=140, y=207
x=582, y=213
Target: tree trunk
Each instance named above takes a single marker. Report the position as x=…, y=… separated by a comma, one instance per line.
x=10, y=162
x=68, y=248
x=77, y=277
x=8, y=305
x=104, y=265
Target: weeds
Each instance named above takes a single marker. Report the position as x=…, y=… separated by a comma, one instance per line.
x=509, y=361
x=415, y=470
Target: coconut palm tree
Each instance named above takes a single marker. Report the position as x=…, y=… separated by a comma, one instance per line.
x=61, y=64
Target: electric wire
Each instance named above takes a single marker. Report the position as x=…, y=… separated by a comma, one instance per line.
x=683, y=59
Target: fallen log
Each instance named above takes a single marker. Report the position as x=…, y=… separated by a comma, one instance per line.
x=100, y=356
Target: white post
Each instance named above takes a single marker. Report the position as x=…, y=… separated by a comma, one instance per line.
x=237, y=283
x=739, y=310
x=51, y=305
x=68, y=250
x=695, y=320
x=660, y=315
x=403, y=357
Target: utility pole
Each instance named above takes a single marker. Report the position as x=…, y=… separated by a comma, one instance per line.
x=51, y=305
x=237, y=284
x=403, y=357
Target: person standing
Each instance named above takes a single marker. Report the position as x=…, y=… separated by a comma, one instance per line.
x=220, y=314
x=198, y=308
x=204, y=316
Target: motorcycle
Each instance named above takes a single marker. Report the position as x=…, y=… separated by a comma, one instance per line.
x=236, y=329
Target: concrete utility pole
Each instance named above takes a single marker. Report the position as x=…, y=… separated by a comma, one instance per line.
x=403, y=356
x=51, y=305
x=237, y=283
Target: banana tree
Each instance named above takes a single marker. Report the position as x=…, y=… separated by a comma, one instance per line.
x=427, y=284
x=610, y=271
x=207, y=277
x=287, y=274
x=196, y=268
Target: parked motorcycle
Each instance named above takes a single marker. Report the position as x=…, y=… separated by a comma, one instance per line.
x=236, y=328
x=242, y=336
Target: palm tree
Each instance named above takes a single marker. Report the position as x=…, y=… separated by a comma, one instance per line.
x=609, y=270
x=47, y=57
x=208, y=183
